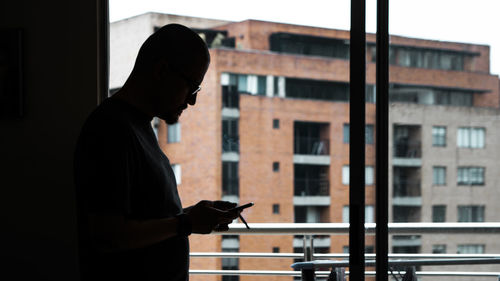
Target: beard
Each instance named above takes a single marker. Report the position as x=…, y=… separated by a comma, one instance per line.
x=170, y=118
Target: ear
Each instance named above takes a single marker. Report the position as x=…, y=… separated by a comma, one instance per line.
x=160, y=70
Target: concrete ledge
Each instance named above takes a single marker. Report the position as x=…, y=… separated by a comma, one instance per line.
x=407, y=201
x=311, y=200
x=312, y=159
x=230, y=156
x=407, y=162
x=231, y=112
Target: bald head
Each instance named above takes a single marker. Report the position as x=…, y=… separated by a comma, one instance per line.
x=181, y=47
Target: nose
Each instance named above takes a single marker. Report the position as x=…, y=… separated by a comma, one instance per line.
x=191, y=99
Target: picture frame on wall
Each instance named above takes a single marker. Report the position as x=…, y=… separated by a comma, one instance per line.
x=11, y=78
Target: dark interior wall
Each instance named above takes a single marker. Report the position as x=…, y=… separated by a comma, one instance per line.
x=37, y=197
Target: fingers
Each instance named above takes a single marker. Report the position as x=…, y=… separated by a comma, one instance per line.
x=222, y=227
x=224, y=205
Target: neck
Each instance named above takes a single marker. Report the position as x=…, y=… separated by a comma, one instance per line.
x=136, y=96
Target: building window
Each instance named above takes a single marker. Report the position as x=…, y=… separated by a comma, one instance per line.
x=310, y=214
x=177, y=172
x=439, y=213
x=470, y=176
x=369, y=133
x=174, y=133
x=370, y=94
x=230, y=95
x=472, y=213
x=369, y=179
x=276, y=249
x=425, y=58
x=230, y=264
x=317, y=90
x=439, y=249
x=308, y=45
x=276, y=208
x=346, y=133
x=276, y=166
x=230, y=136
x=345, y=175
x=438, y=175
x=369, y=214
x=471, y=137
x=429, y=95
x=438, y=136
x=261, y=85
x=470, y=249
x=276, y=123
x=369, y=175
x=230, y=181
x=242, y=85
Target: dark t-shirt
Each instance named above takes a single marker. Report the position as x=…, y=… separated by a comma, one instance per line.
x=121, y=170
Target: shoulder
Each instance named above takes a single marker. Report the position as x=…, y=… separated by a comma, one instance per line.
x=107, y=123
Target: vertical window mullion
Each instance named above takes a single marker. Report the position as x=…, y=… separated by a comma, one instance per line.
x=382, y=141
x=357, y=69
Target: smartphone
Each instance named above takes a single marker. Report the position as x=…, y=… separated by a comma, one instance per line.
x=242, y=207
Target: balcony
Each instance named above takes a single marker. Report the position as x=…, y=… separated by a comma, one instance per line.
x=230, y=187
x=407, y=189
x=311, y=187
x=407, y=149
x=230, y=143
x=464, y=265
x=311, y=146
x=230, y=97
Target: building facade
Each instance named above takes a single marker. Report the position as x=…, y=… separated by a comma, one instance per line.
x=271, y=126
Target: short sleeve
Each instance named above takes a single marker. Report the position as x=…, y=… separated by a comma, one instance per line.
x=104, y=167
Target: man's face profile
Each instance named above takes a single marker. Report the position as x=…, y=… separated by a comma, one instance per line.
x=177, y=89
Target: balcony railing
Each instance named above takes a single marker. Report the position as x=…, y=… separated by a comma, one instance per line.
x=230, y=187
x=308, y=229
x=230, y=143
x=311, y=146
x=311, y=187
x=407, y=189
x=407, y=149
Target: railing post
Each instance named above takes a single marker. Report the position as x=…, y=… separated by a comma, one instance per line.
x=308, y=248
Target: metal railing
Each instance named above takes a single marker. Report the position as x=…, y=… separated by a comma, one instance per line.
x=407, y=149
x=311, y=187
x=230, y=186
x=309, y=229
x=407, y=189
x=230, y=143
x=311, y=146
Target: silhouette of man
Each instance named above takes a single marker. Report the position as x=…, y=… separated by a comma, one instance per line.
x=131, y=222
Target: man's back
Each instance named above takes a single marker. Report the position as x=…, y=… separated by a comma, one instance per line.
x=120, y=170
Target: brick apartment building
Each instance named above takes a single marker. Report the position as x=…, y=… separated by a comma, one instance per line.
x=271, y=126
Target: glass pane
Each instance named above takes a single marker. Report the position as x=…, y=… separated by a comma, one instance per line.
x=270, y=125
x=444, y=109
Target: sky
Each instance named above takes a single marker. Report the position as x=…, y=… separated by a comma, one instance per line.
x=467, y=21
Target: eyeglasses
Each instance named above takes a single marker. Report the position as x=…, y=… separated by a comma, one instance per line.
x=193, y=86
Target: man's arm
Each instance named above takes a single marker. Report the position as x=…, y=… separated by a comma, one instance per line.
x=115, y=233
x=112, y=233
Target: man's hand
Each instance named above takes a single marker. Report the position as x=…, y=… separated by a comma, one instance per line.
x=207, y=216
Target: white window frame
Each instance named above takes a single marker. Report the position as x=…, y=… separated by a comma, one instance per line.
x=471, y=137
x=369, y=214
x=369, y=175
